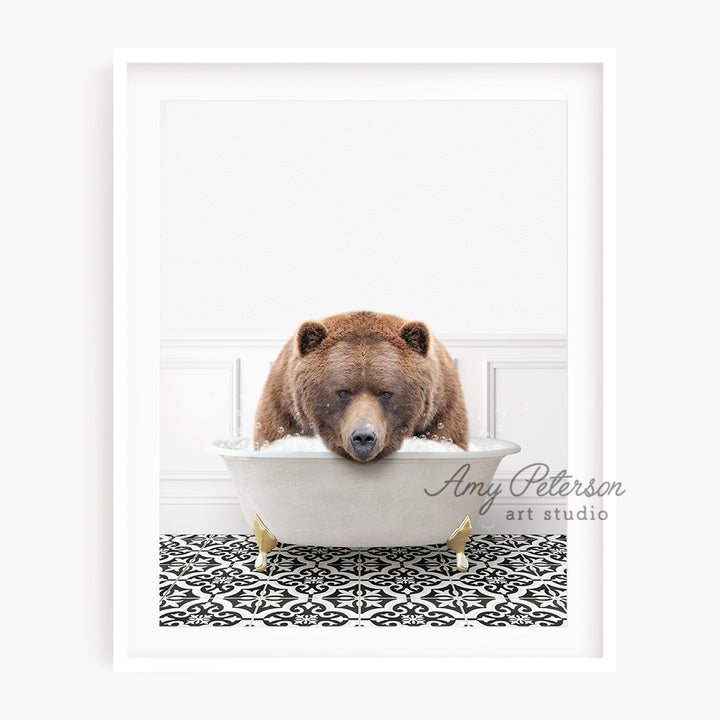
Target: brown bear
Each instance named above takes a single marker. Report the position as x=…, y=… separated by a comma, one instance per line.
x=363, y=382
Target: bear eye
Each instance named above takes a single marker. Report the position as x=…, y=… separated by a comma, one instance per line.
x=386, y=395
x=344, y=393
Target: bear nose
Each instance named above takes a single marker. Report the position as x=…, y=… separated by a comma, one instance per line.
x=363, y=440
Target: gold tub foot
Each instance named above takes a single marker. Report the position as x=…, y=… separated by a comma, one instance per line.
x=456, y=542
x=266, y=542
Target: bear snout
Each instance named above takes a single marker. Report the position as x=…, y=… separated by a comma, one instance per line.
x=363, y=441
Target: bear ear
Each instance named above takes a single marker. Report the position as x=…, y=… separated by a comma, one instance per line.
x=309, y=336
x=417, y=336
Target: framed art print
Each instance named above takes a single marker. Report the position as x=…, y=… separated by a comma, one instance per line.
x=460, y=204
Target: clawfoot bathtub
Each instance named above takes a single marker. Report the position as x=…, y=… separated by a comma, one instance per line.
x=318, y=498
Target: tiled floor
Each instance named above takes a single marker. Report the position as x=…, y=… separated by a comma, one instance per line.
x=512, y=580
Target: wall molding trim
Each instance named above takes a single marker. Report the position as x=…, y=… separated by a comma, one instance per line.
x=512, y=364
x=204, y=500
x=232, y=367
x=524, y=340
x=194, y=475
x=221, y=514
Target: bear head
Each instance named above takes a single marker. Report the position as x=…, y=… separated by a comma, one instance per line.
x=363, y=382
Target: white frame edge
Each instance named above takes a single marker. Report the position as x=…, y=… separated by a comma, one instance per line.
x=609, y=338
x=123, y=57
x=120, y=374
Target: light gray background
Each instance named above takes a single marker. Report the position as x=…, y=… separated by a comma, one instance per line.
x=56, y=285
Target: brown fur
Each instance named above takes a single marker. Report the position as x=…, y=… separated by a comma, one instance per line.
x=367, y=354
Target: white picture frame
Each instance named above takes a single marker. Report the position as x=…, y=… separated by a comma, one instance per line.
x=587, y=642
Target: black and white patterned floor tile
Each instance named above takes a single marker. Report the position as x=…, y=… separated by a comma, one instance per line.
x=512, y=580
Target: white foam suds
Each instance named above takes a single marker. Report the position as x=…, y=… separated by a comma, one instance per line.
x=236, y=443
x=416, y=444
x=300, y=443
x=297, y=443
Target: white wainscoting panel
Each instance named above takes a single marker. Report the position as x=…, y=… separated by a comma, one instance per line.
x=515, y=388
x=198, y=402
x=527, y=403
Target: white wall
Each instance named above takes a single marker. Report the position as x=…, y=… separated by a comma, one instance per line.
x=273, y=212
x=56, y=301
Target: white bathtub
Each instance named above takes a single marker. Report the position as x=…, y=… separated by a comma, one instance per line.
x=318, y=498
